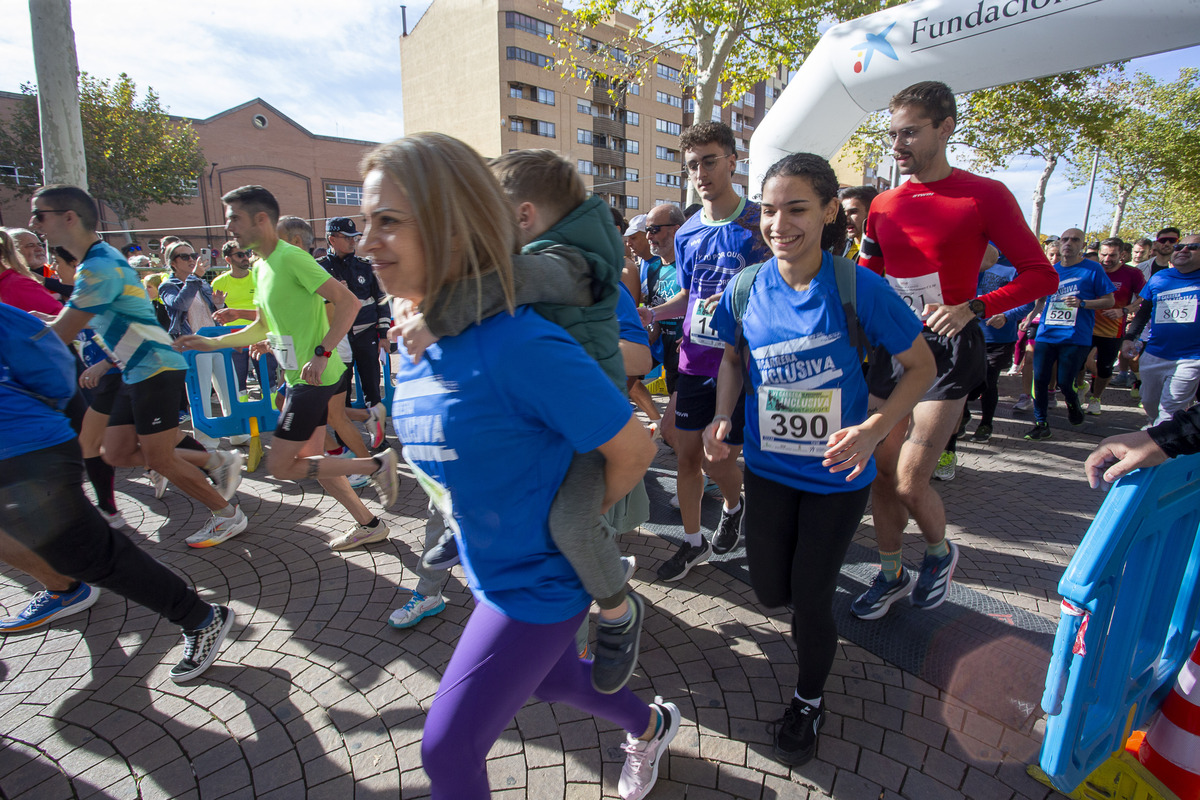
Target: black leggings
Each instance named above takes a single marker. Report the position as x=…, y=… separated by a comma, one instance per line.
x=796, y=542
x=999, y=358
x=42, y=506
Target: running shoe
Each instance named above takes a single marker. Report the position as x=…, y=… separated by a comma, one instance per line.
x=875, y=601
x=1120, y=381
x=982, y=433
x=386, y=478
x=228, y=474
x=1038, y=432
x=240, y=439
x=200, y=647
x=360, y=535
x=416, y=609
x=944, y=471
x=1075, y=413
x=443, y=555
x=796, y=733
x=1024, y=403
x=729, y=530
x=1093, y=406
x=356, y=481
x=114, y=520
x=933, y=581
x=377, y=424
x=617, y=648
x=47, y=606
x=686, y=557
x=642, y=757
x=218, y=529
x=158, y=482
x=655, y=431
x=1135, y=391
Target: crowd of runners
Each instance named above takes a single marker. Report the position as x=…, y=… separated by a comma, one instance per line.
x=819, y=348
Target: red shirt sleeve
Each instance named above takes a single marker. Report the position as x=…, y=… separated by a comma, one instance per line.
x=1007, y=229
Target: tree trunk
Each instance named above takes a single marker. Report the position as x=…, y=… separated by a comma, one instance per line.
x=711, y=54
x=1039, y=192
x=57, y=67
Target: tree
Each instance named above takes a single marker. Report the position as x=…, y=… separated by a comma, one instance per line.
x=1150, y=158
x=734, y=41
x=137, y=156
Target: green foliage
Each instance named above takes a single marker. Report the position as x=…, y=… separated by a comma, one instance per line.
x=137, y=156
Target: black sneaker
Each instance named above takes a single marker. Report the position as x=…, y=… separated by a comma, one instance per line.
x=729, y=531
x=1075, y=413
x=442, y=555
x=200, y=647
x=982, y=433
x=617, y=649
x=796, y=733
x=1038, y=432
x=684, y=559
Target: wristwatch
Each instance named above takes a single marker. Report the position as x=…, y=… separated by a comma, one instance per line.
x=321, y=351
x=977, y=307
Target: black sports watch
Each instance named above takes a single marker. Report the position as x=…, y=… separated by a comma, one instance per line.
x=977, y=307
x=321, y=351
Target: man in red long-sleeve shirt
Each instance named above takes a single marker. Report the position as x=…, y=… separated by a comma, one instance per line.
x=928, y=237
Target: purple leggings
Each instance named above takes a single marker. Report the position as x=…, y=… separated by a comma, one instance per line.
x=498, y=664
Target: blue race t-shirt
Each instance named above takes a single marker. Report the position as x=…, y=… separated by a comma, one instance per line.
x=665, y=281
x=708, y=255
x=1062, y=324
x=474, y=415
x=1001, y=274
x=1174, y=325
x=107, y=286
x=27, y=374
x=804, y=373
x=631, y=327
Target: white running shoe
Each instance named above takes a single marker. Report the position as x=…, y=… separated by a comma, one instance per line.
x=416, y=609
x=240, y=439
x=386, y=478
x=360, y=535
x=642, y=758
x=158, y=482
x=219, y=529
x=377, y=424
x=228, y=474
x=114, y=520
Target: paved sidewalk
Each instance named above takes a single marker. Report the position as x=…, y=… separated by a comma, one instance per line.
x=317, y=697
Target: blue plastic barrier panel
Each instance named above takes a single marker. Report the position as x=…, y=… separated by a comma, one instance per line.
x=1131, y=617
x=238, y=421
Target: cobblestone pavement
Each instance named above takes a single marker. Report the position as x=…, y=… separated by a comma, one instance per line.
x=316, y=696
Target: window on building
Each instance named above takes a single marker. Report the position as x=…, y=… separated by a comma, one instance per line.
x=741, y=145
x=586, y=167
x=736, y=121
x=584, y=106
x=631, y=201
x=523, y=22
x=748, y=99
x=529, y=57
x=516, y=91
x=743, y=166
x=588, y=44
x=669, y=99
x=667, y=179
x=24, y=178
x=631, y=175
x=545, y=96
x=339, y=194
x=191, y=188
x=689, y=106
x=716, y=114
x=583, y=136
x=666, y=126
x=631, y=146
x=630, y=117
x=517, y=125
x=661, y=202
x=739, y=190
x=634, y=89
x=543, y=128
x=666, y=153
x=583, y=74
x=670, y=73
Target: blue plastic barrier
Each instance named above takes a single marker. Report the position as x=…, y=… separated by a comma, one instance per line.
x=238, y=422
x=1131, y=617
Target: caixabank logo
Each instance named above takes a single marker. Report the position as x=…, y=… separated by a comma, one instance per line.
x=875, y=43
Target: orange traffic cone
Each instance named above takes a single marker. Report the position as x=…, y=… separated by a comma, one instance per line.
x=1171, y=750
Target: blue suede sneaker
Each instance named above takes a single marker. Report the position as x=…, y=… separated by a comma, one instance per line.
x=933, y=582
x=875, y=601
x=47, y=606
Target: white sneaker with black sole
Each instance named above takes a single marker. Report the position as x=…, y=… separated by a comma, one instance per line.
x=200, y=648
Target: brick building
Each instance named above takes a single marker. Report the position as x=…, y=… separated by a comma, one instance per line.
x=312, y=176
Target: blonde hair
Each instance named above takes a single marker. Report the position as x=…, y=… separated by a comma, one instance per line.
x=466, y=224
x=10, y=256
x=541, y=177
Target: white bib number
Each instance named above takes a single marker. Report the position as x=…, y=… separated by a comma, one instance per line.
x=284, y=349
x=918, y=292
x=1175, y=310
x=796, y=421
x=702, y=332
x=438, y=495
x=1061, y=315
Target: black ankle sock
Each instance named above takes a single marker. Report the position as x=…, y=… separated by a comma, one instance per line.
x=374, y=523
x=100, y=473
x=188, y=443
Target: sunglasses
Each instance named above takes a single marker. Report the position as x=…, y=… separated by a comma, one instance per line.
x=188, y=256
x=240, y=253
x=654, y=229
x=38, y=213
x=1194, y=246
x=1168, y=239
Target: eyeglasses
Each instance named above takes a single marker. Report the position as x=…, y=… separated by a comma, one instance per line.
x=654, y=229
x=188, y=256
x=38, y=213
x=708, y=162
x=1168, y=239
x=906, y=135
x=240, y=253
x=1194, y=246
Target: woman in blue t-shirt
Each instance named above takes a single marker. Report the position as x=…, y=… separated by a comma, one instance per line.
x=807, y=420
x=490, y=446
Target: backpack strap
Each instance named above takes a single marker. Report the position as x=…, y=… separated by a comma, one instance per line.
x=742, y=283
x=845, y=271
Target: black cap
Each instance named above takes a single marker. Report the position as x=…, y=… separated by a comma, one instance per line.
x=343, y=225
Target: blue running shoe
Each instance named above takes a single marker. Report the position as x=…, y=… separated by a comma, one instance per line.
x=875, y=601
x=47, y=606
x=933, y=582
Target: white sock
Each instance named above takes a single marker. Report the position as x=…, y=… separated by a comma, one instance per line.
x=735, y=509
x=814, y=703
x=694, y=539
